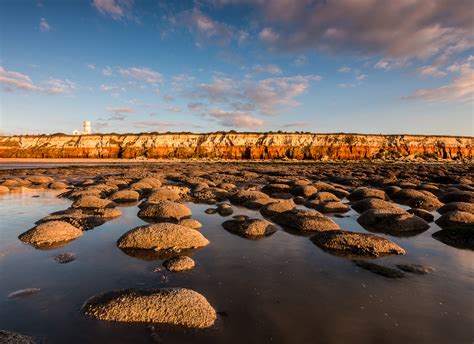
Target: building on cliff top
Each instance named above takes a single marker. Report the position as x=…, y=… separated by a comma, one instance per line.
x=86, y=129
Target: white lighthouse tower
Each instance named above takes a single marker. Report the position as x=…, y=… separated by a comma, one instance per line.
x=86, y=130
x=87, y=127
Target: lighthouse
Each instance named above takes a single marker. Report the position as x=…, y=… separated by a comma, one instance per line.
x=86, y=130
x=87, y=127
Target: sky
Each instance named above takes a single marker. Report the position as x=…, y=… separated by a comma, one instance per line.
x=357, y=66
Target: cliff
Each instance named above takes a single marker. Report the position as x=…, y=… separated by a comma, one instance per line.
x=233, y=145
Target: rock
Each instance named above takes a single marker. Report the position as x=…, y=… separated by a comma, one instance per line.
x=210, y=195
x=125, y=196
x=390, y=190
x=179, y=263
x=373, y=203
x=153, y=182
x=23, y=293
x=58, y=186
x=91, y=202
x=39, y=179
x=82, y=219
x=305, y=191
x=240, y=217
x=332, y=207
x=462, y=237
x=379, y=269
x=211, y=211
x=458, y=196
x=258, y=203
x=175, y=306
x=227, y=186
x=304, y=220
x=15, y=338
x=190, y=223
x=459, y=206
x=225, y=209
x=356, y=245
x=392, y=221
x=323, y=196
x=422, y=213
x=64, y=258
x=252, y=228
x=364, y=192
x=415, y=268
x=243, y=196
x=425, y=202
x=275, y=188
x=4, y=189
x=165, y=211
x=405, y=195
x=15, y=182
x=299, y=200
x=50, y=233
x=455, y=219
x=163, y=194
x=271, y=209
x=162, y=236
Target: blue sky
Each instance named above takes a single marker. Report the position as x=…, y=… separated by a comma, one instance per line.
x=200, y=66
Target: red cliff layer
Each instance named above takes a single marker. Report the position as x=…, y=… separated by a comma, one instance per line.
x=239, y=146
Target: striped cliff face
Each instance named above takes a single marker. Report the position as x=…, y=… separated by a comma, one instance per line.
x=239, y=146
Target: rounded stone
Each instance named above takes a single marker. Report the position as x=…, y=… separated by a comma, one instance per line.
x=190, y=223
x=125, y=196
x=58, y=186
x=271, y=209
x=179, y=263
x=162, y=236
x=174, y=306
x=50, y=233
x=425, y=202
x=305, y=220
x=243, y=196
x=460, y=206
x=332, y=207
x=252, y=228
x=305, y=191
x=392, y=221
x=163, y=194
x=373, y=203
x=353, y=244
x=404, y=196
x=425, y=215
x=40, y=179
x=364, y=192
x=4, y=189
x=165, y=210
x=455, y=219
x=458, y=196
x=91, y=202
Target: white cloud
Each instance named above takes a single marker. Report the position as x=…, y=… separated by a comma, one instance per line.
x=268, y=35
x=344, y=69
x=15, y=80
x=117, y=9
x=235, y=119
x=268, y=68
x=461, y=88
x=44, y=26
x=430, y=71
x=107, y=71
x=120, y=110
x=141, y=73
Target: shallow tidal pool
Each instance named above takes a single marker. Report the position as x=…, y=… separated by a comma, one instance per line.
x=279, y=289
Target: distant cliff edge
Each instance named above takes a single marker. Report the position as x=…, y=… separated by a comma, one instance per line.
x=233, y=145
